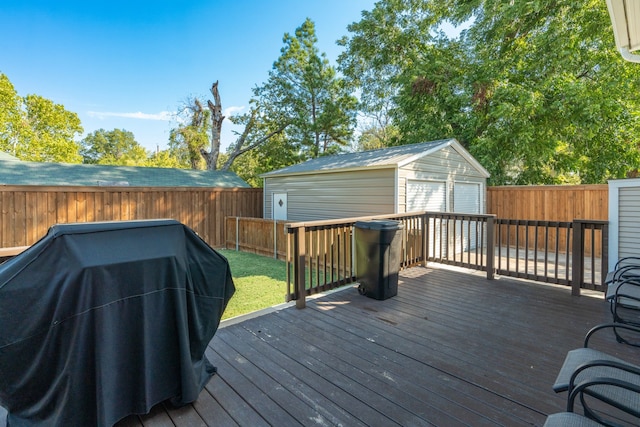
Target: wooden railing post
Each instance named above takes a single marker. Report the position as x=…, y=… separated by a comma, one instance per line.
x=425, y=238
x=604, y=256
x=491, y=253
x=577, y=258
x=300, y=266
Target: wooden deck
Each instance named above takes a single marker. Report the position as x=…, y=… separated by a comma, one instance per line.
x=452, y=349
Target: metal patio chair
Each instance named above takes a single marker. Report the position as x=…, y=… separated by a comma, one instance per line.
x=599, y=388
x=601, y=376
x=624, y=299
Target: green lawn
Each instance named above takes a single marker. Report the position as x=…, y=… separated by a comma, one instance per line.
x=260, y=282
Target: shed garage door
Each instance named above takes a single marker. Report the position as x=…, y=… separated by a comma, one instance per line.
x=426, y=196
x=430, y=196
x=466, y=199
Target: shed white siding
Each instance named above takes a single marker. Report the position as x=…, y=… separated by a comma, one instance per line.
x=624, y=219
x=629, y=217
x=445, y=165
x=334, y=195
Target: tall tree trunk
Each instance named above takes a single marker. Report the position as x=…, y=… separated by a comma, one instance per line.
x=211, y=158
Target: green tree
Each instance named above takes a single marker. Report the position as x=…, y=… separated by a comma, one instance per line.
x=275, y=153
x=304, y=91
x=387, y=41
x=258, y=131
x=535, y=90
x=10, y=116
x=558, y=96
x=375, y=136
x=188, y=140
x=114, y=147
x=35, y=128
x=164, y=159
x=50, y=135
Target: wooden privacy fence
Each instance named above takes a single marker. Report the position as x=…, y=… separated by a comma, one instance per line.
x=549, y=202
x=256, y=235
x=27, y=212
x=520, y=208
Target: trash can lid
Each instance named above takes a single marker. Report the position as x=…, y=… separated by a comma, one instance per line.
x=380, y=224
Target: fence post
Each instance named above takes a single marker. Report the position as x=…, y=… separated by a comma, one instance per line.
x=275, y=238
x=491, y=251
x=300, y=266
x=237, y=234
x=577, y=258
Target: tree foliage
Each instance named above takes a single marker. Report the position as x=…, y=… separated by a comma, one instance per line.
x=10, y=116
x=187, y=141
x=276, y=153
x=303, y=110
x=35, y=128
x=164, y=159
x=114, y=147
x=535, y=90
x=386, y=41
x=304, y=92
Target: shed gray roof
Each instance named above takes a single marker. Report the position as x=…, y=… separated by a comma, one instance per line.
x=7, y=156
x=15, y=172
x=383, y=157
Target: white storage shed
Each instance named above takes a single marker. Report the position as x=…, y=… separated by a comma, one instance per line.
x=624, y=219
x=436, y=176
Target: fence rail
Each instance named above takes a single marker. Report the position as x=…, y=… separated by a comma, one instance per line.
x=536, y=250
x=309, y=261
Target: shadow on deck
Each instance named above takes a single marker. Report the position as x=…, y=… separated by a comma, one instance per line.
x=451, y=349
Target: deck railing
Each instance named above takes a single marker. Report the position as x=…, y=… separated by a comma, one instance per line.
x=321, y=254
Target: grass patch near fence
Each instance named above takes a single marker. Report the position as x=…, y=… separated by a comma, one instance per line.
x=260, y=282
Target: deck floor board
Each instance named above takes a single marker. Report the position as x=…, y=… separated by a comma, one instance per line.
x=451, y=349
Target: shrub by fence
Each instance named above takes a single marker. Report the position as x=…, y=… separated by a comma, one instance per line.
x=27, y=212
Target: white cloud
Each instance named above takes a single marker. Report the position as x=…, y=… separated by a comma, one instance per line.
x=162, y=116
x=230, y=111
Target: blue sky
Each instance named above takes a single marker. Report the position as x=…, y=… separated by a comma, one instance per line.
x=130, y=64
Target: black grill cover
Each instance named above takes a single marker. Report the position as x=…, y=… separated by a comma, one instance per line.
x=102, y=320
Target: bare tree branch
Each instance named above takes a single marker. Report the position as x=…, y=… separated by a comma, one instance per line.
x=211, y=158
x=239, y=147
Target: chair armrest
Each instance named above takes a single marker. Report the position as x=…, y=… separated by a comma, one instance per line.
x=584, y=358
x=613, y=326
x=617, y=393
x=614, y=284
x=604, y=363
x=627, y=271
x=628, y=260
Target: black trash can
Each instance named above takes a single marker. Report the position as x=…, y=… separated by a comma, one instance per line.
x=378, y=255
